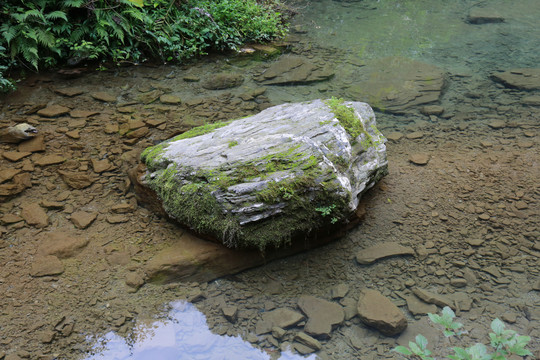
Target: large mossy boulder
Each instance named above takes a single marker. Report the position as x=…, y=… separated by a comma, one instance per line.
x=261, y=181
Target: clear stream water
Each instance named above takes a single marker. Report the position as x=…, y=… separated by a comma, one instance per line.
x=433, y=31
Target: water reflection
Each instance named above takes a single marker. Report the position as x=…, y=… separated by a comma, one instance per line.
x=183, y=336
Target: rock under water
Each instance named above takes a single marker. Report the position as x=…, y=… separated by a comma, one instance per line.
x=260, y=181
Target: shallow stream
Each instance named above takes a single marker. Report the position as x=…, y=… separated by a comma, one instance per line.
x=471, y=213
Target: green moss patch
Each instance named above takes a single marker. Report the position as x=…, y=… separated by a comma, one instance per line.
x=188, y=196
x=350, y=122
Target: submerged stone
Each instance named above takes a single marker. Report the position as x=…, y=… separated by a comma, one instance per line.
x=260, y=181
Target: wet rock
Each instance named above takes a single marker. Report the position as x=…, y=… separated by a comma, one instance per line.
x=418, y=307
x=69, y=91
x=170, y=99
x=122, y=208
x=395, y=136
x=424, y=326
x=15, y=155
x=283, y=318
x=302, y=349
x=61, y=245
x=349, y=307
x=149, y=97
x=54, y=205
x=34, y=215
x=497, y=124
x=134, y=280
x=83, y=219
x=82, y=114
x=322, y=315
x=76, y=180
x=339, y=291
x=100, y=166
x=481, y=15
x=265, y=50
x=7, y=174
x=10, y=219
x=17, y=185
x=46, y=266
x=415, y=135
x=223, y=81
x=398, y=85
x=191, y=78
x=273, y=154
x=103, y=96
x=380, y=251
x=523, y=79
x=47, y=337
x=458, y=282
x=533, y=100
x=139, y=133
x=117, y=219
x=50, y=160
x=307, y=340
x=294, y=70
x=432, y=110
x=230, y=313
x=278, y=332
x=419, y=158
x=74, y=134
x=377, y=311
x=36, y=144
x=433, y=298
x=53, y=111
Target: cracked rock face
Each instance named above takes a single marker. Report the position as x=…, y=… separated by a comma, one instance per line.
x=262, y=180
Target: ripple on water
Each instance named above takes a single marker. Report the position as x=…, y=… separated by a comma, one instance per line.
x=184, y=335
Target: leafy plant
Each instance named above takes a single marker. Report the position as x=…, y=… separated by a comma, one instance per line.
x=504, y=342
x=43, y=33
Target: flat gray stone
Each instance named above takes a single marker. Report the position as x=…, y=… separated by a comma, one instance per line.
x=322, y=315
x=380, y=251
x=397, y=85
x=479, y=15
x=294, y=70
x=418, y=307
x=46, y=265
x=283, y=318
x=61, y=244
x=433, y=298
x=377, y=311
x=524, y=79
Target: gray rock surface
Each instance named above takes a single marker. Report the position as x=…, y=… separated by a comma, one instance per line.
x=261, y=180
x=523, y=79
x=375, y=310
x=283, y=318
x=479, y=15
x=322, y=315
x=294, y=70
x=379, y=251
x=396, y=85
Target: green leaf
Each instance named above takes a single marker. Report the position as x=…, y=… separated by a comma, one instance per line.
x=402, y=350
x=56, y=15
x=461, y=353
x=448, y=313
x=497, y=326
x=421, y=341
x=138, y=3
x=415, y=348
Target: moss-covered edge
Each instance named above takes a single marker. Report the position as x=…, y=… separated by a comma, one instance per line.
x=190, y=200
x=350, y=122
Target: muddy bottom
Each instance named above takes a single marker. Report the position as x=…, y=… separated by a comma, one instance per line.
x=462, y=191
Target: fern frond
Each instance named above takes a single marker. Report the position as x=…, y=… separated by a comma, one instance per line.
x=45, y=38
x=58, y=14
x=8, y=32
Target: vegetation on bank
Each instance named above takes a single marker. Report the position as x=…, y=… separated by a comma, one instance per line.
x=37, y=34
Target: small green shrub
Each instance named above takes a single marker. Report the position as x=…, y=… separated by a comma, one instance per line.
x=503, y=342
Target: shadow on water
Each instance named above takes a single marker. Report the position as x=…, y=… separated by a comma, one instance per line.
x=184, y=335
